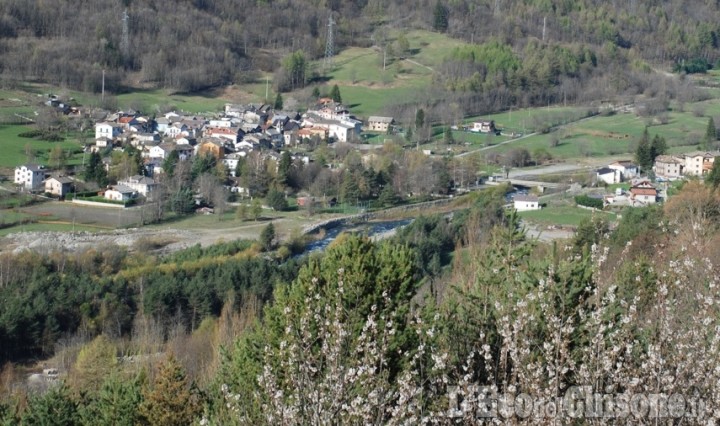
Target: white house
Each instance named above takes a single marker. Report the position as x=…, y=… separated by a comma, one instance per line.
x=142, y=184
x=380, y=124
x=30, y=176
x=344, y=130
x=59, y=186
x=161, y=124
x=483, y=127
x=644, y=194
x=668, y=166
x=220, y=123
x=120, y=193
x=177, y=129
x=608, y=175
x=627, y=169
x=108, y=130
x=161, y=151
x=231, y=161
x=526, y=202
x=699, y=163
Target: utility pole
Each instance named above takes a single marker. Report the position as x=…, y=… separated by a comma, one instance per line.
x=267, y=88
x=102, y=95
x=544, y=27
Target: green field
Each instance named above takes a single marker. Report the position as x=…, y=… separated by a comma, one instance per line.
x=367, y=88
x=614, y=135
x=13, y=147
x=156, y=101
x=561, y=215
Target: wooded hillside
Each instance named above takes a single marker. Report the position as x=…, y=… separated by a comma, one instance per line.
x=195, y=44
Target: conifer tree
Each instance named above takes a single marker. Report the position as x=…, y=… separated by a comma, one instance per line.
x=267, y=237
x=658, y=146
x=55, y=407
x=710, y=134
x=172, y=400
x=278, y=105
x=335, y=94
x=116, y=403
x=643, y=155
x=440, y=18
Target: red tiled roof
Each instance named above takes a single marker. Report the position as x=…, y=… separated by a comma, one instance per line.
x=643, y=191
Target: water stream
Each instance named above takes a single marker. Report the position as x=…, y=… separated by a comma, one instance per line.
x=371, y=229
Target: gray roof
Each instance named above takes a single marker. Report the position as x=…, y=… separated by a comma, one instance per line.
x=378, y=119
x=123, y=189
x=139, y=179
x=61, y=179
x=527, y=198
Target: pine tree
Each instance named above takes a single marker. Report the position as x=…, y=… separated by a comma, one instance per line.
x=170, y=162
x=419, y=119
x=349, y=191
x=278, y=102
x=335, y=94
x=116, y=403
x=643, y=155
x=95, y=171
x=171, y=400
x=55, y=407
x=440, y=18
x=387, y=197
x=276, y=200
x=283, y=169
x=710, y=134
x=267, y=237
x=658, y=146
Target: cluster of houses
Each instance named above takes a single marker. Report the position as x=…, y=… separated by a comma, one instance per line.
x=230, y=136
x=671, y=167
x=239, y=130
x=642, y=191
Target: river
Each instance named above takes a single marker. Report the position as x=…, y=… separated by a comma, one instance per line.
x=371, y=229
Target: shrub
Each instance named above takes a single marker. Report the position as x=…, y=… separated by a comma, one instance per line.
x=584, y=200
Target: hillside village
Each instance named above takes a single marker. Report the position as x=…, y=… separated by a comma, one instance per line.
x=239, y=132
x=228, y=137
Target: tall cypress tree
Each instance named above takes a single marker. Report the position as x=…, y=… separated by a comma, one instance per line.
x=643, y=154
x=710, y=134
x=278, y=102
x=335, y=94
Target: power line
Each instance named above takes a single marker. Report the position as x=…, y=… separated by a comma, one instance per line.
x=330, y=43
x=125, y=43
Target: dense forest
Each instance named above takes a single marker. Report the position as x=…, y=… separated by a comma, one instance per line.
x=549, y=51
x=397, y=332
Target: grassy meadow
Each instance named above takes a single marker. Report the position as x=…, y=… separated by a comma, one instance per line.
x=566, y=215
